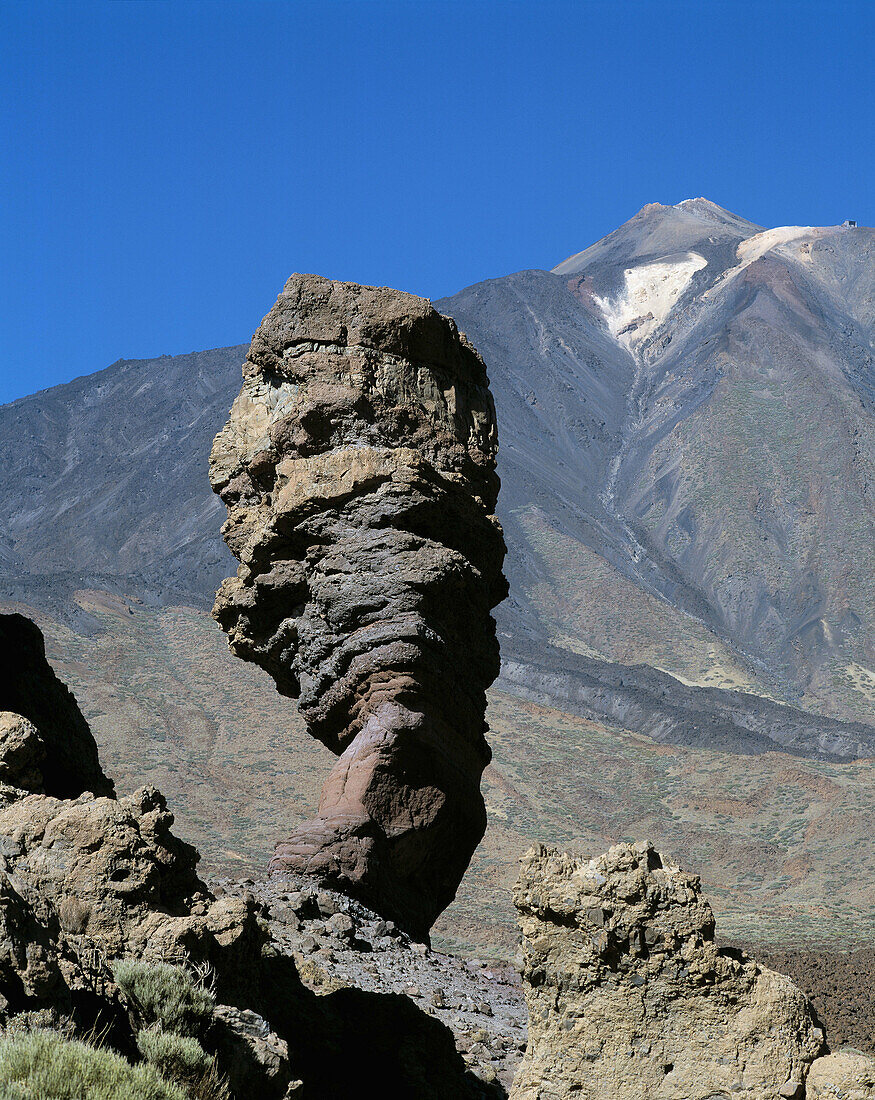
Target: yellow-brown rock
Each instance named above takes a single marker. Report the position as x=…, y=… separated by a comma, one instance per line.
x=629, y=996
x=845, y=1075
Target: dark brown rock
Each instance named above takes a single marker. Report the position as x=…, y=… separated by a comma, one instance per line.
x=358, y=469
x=30, y=688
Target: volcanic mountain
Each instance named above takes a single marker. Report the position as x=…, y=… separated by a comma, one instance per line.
x=686, y=410
x=687, y=447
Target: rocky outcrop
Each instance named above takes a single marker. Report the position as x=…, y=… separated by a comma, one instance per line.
x=106, y=930
x=30, y=688
x=845, y=1075
x=111, y=871
x=89, y=879
x=629, y=996
x=358, y=469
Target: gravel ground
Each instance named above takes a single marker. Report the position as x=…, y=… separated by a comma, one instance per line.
x=337, y=942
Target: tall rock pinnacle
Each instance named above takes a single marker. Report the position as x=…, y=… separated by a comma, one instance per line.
x=358, y=470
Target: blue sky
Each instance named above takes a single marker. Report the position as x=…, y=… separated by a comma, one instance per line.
x=166, y=166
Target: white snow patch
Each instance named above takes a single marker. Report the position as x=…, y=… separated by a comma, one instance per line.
x=754, y=247
x=649, y=294
x=793, y=241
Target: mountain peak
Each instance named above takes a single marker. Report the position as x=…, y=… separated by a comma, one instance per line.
x=699, y=207
x=658, y=229
x=702, y=204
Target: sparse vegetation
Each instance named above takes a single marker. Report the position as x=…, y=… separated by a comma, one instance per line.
x=182, y=1059
x=43, y=1065
x=167, y=995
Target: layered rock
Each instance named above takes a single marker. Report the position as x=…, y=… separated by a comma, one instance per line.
x=629, y=996
x=358, y=469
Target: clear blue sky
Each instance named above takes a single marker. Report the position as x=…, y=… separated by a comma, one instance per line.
x=167, y=165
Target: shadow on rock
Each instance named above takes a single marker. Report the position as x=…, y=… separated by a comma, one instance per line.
x=349, y=1037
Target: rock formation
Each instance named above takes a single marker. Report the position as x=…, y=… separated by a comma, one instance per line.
x=629, y=996
x=97, y=897
x=87, y=878
x=358, y=470
x=30, y=688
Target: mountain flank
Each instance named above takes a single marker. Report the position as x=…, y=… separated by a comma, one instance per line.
x=685, y=410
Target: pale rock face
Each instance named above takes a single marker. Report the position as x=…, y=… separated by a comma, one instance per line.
x=109, y=868
x=630, y=997
x=102, y=875
x=845, y=1075
x=358, y=470
x=649, y=293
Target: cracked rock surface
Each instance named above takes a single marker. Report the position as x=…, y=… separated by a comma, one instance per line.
x=629, y=996
x=358, y=470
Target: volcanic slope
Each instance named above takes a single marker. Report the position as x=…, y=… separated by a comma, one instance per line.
x=687, y=452
x=685, y=418
x=105, y=482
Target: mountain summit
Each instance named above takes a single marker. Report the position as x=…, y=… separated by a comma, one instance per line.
x=686, y=410
x=658, y=230
x=687, y=442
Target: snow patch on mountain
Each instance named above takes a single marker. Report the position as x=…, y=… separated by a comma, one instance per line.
x=648, y=296
x=791, y=241
x=755, y=247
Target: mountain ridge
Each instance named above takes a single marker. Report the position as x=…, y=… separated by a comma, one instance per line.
x=651, y=489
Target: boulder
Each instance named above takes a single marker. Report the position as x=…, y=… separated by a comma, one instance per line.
x=629, y=996
x=358, y=470
x=22, y=753
x=112, y=871
x=30, y=688
x=846, y=1075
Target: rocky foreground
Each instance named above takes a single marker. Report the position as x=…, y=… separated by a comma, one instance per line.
x=104, y=920
x=289, y=989
x=339, y=944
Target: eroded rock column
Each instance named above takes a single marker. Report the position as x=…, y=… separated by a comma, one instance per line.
x=358, y=469
x=629, y=996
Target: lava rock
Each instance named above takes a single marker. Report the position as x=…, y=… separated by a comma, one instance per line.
x=358, y=470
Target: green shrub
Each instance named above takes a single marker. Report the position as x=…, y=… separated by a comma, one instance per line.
x=42, y=1065
x=174, y=1055
x=184, y=1061
x=167, y=995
